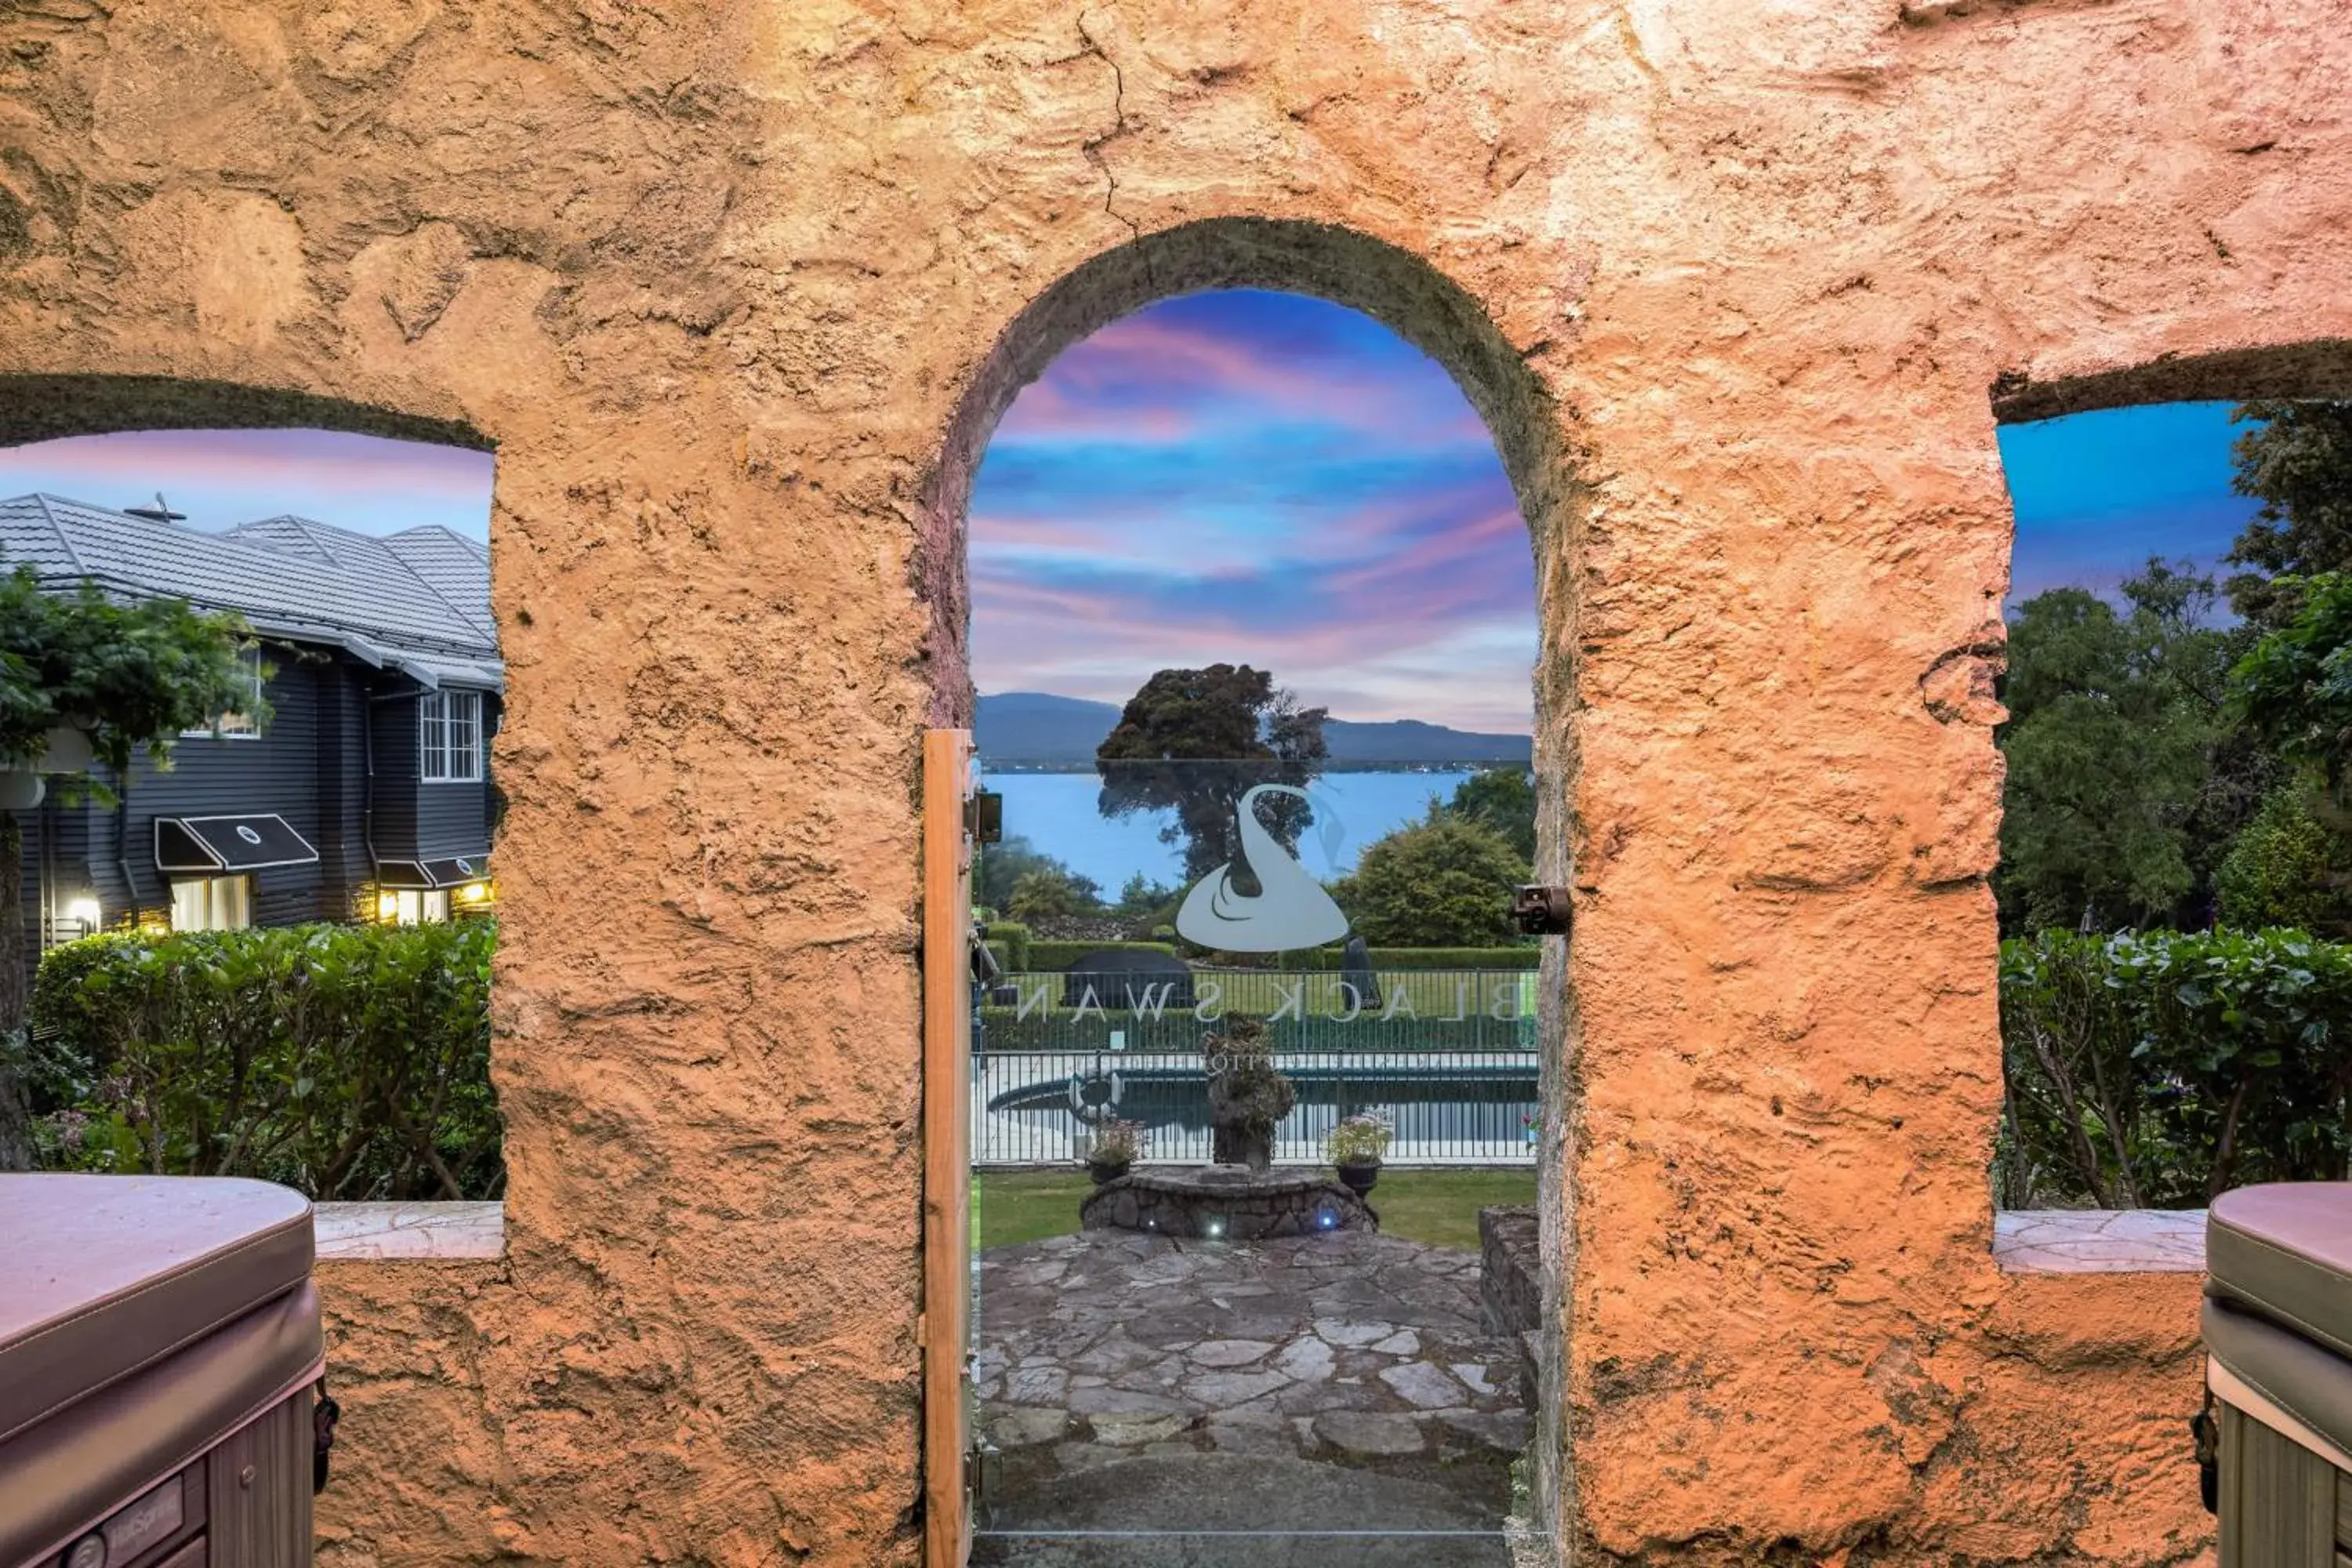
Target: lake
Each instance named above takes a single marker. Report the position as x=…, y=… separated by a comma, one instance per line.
x=1057, y=814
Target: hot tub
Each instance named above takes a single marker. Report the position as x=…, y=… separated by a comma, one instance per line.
x=2278, y=1339
x=158, y=1342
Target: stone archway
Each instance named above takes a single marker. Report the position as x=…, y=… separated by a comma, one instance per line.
x=1409, y=294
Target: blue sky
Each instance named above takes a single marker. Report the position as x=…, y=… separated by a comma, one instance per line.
x=1240, y=476
x=221, y=478
x=2097, y=494
x=1258, y=478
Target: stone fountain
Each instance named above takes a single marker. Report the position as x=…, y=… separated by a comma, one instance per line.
x=1241, y=1197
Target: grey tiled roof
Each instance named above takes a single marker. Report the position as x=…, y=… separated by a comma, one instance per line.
x=408, y=600
x=455, y=569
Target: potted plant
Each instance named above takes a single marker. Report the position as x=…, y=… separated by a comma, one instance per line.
x=1116, y=1145
x=1355, y=1148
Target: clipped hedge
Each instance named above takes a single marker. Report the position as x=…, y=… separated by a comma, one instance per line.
x=1009, y=940
x=1050, y=954
x=1056, y=955
x=2156, y=1069
x=348, y=1062
x=1003, y=1029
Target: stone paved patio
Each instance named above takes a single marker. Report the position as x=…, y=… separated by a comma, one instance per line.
x=1322, y=1358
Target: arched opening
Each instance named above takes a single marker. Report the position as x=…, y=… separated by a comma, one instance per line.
x=1410, y=299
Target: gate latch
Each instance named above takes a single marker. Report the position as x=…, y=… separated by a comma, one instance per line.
x=1541, y=912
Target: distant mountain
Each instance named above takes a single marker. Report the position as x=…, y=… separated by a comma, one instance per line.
x=1040, y=728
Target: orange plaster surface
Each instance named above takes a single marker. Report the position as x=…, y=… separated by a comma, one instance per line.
x=735, y=290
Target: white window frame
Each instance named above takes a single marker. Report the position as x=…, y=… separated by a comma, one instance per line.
x=442, y=757
x=219, y=903
x=414, y=906
x=248, y=729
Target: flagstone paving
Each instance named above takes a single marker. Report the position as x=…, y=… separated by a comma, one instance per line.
x=1320, y=1356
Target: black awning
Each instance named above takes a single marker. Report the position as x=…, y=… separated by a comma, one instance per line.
x=210, y=845
x=430, y=874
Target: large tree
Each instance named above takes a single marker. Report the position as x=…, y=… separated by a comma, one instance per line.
x=1194, y=740
x=128, y=676
x=2113, y=815
x=1504, y=799
x=2297, y=461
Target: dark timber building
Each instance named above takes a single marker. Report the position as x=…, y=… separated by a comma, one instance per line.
x=364, y=795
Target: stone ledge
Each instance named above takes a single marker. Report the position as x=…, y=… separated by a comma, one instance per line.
x=381, y=1232
x=2100, y=1241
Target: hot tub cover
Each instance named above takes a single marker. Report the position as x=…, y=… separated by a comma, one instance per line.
x=2283, y=1252
x=108, y=1275
x=2305, y=1382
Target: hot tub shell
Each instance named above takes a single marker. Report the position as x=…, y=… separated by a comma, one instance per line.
x=160, y=1340
x=2277, y=1321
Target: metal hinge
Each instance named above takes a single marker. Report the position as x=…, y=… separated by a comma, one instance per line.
x=1540, y=910
x=983, y=1474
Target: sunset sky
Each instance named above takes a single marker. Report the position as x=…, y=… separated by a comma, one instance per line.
x=1240, y=476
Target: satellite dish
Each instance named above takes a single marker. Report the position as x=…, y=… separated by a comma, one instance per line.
x=159, y=512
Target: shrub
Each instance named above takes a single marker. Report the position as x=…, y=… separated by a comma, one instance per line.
x=346, y=1061
x=1444, y=881
x=2156, y=1069
x=2286, y=867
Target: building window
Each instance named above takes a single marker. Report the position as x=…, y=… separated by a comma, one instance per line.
x=412, y=906
x=240, y=723
x=449, y=736
x=212, y=903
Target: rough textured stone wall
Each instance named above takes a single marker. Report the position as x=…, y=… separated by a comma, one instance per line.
x=723, y=289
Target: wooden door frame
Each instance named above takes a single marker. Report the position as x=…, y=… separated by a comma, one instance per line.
x=946, y=1323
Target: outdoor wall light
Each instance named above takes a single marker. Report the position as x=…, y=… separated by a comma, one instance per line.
x=1216, y=1228
x=388, y=906
x=472, y=892
x=84, y=912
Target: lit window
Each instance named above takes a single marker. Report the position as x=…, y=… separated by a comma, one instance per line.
x=234, y=725
x=449, y=736
x=212, y=903
x=412, y=906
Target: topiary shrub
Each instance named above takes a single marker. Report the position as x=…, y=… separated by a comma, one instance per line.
x=1010, y=939
x=2286, y=867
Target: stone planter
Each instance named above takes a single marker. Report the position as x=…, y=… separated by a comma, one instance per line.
x=1104, y=1172
x=1358, y=1178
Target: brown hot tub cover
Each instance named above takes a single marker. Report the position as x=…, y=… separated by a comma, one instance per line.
x=2278, y=1313
x=142, y=1318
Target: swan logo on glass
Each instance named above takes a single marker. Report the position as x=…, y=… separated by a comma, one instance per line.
x=1290, y=911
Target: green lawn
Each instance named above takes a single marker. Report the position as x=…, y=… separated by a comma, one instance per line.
x=1437, y=1208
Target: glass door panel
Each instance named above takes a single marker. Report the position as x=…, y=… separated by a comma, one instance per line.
x=1254, y=1041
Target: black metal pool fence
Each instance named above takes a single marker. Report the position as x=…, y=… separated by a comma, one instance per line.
x=1450, y=1057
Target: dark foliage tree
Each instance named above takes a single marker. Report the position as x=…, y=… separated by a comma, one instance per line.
x=2297, y=461
x=1503, y=799
x=1194, y=740
x=1444, y=882
x=128, y=676
x=2295, y=687
x=2112, y=816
